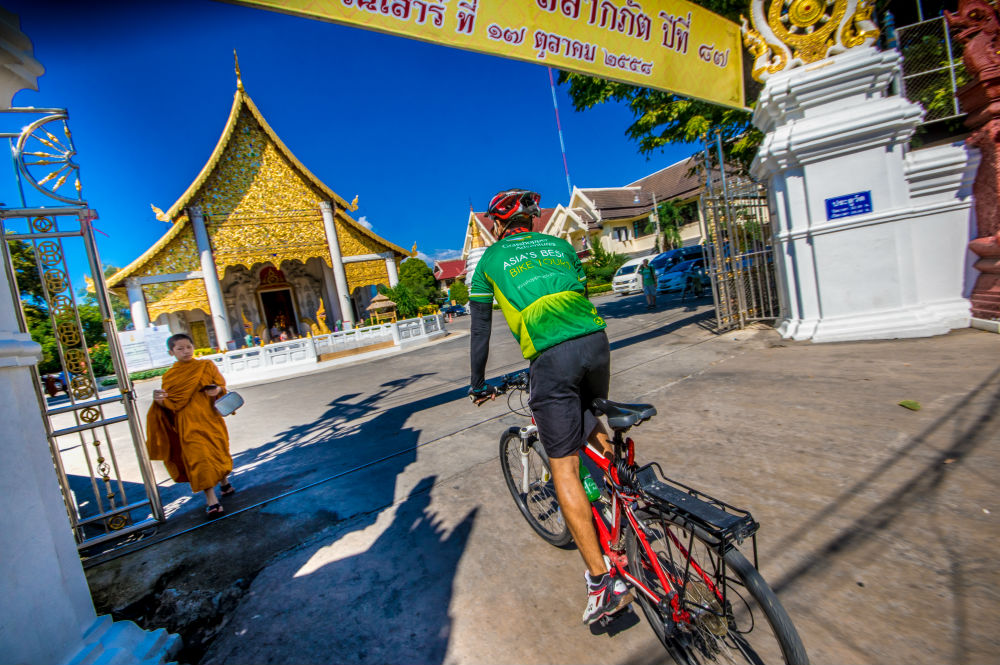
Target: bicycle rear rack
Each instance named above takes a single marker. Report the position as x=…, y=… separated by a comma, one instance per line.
x=718, y=519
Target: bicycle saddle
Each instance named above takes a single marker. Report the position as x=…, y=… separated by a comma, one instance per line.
x=621, y=416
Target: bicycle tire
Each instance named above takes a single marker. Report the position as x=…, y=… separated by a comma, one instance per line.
x=539, y=505
x=732, y=634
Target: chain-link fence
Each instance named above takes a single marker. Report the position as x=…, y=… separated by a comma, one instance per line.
x=932, y=68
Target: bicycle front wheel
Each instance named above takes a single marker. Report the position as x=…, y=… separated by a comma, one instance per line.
x=731, y=614
x=529, y=479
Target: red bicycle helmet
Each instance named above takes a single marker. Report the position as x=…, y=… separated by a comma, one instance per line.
x=513, y=203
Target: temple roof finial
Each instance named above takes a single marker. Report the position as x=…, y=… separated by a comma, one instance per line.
x=239, y=77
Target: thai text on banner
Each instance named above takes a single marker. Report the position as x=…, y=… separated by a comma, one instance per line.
x=670, y=45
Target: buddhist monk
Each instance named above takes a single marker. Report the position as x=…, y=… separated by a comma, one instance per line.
x=183, y=428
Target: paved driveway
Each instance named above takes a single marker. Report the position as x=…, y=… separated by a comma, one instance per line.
x=405, y=546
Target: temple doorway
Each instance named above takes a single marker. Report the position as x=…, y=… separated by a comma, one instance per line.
x=278, y=306
x=199, y=334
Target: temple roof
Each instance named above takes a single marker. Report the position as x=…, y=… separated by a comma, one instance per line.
x=449, y=269
x=174, y=251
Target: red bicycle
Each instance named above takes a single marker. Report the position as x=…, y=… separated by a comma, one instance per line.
x=675, y=545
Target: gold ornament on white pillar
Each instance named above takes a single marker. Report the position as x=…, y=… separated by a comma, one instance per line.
x=792, y=33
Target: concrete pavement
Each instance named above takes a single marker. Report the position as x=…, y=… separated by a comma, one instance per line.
x=394, y=538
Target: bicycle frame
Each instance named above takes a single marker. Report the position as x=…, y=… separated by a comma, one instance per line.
x=623, y=502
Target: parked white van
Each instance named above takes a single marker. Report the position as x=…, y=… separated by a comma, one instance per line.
x=627, y=279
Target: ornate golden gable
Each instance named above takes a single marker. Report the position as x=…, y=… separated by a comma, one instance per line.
x=261, y=205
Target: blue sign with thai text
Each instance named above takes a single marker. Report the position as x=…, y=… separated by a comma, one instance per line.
x=849, y=205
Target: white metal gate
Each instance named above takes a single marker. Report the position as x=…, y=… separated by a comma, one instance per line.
x=107, y=484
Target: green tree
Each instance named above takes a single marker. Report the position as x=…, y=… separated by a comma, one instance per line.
x=419, y=279
x=459, y=292
x=407, y=304
x=662, y=118
x=603, y=264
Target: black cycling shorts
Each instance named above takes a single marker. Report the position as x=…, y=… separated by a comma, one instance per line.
x=565, y=380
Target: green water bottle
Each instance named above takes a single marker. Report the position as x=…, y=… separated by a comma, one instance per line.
x=589, y=484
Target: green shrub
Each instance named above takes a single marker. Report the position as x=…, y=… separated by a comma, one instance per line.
x=100, y=359
x=598, y=288
x=148, y=373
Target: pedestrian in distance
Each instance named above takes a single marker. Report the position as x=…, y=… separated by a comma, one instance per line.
x=648, y=283
x=541, y=287
x=183, y=428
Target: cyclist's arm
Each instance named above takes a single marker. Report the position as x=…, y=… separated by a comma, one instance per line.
x=479, y=342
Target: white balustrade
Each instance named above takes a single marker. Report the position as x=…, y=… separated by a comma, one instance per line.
x=307, y=351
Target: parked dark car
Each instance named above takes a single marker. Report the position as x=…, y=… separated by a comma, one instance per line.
x=680, y=276
x=456, y=310
x=667, y=260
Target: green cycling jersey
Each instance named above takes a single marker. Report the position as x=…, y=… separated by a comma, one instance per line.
x=538, y=281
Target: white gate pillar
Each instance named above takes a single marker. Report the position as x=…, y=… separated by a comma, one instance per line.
x=48, y=615
x=869, y=237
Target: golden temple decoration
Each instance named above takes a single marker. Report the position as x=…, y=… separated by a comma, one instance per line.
x=239, y=77
x=160, y=215
x=792, y=33
x=365, y=273
x=861, y=27
x=261, y=206
x=179, y=296
x=477, y=240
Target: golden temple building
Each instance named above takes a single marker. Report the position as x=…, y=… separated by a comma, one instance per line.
x=257, y=245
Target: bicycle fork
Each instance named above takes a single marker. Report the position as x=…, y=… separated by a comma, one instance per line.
x=527, y=434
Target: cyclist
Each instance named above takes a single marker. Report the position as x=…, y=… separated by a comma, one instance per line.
x=540, y=285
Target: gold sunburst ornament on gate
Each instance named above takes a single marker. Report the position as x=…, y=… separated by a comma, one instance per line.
x=792, y=33
x=44, y=155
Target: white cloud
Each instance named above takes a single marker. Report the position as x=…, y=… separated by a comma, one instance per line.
x=363, y=221
x=446, y=254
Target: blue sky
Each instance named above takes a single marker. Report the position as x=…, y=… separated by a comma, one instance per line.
x=417, y=131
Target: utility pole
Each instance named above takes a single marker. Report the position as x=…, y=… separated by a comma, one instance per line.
x=656, y=222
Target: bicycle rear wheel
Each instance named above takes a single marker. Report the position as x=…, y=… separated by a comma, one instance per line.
x=751, y=626
x=529, y=480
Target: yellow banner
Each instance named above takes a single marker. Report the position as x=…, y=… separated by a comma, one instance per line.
x=670, y=45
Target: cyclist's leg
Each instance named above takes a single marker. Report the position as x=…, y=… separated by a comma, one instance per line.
x=576, y=511
x=556, y=404
x=594, y=384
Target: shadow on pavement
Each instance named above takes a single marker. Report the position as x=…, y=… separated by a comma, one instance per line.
x=921, y=486
x=354, y=432
x=660, y=331
x=388, y=603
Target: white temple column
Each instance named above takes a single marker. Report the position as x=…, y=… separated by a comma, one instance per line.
x=137, y=304
x=339, y=275
x=174, y=322
x=330, y=290
x=48, y=615
x=213, y=288
x=390, y=267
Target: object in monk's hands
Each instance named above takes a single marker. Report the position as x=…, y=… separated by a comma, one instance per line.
x=228, y=403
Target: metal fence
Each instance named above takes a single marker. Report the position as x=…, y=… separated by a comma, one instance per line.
x=739, y=256
x=932, y=68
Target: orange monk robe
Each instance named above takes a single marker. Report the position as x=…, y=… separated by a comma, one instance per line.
x=186, y=432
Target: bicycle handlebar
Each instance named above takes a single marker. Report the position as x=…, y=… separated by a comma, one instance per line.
x=514, y=380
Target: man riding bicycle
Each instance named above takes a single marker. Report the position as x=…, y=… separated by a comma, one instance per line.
x=540, y=285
